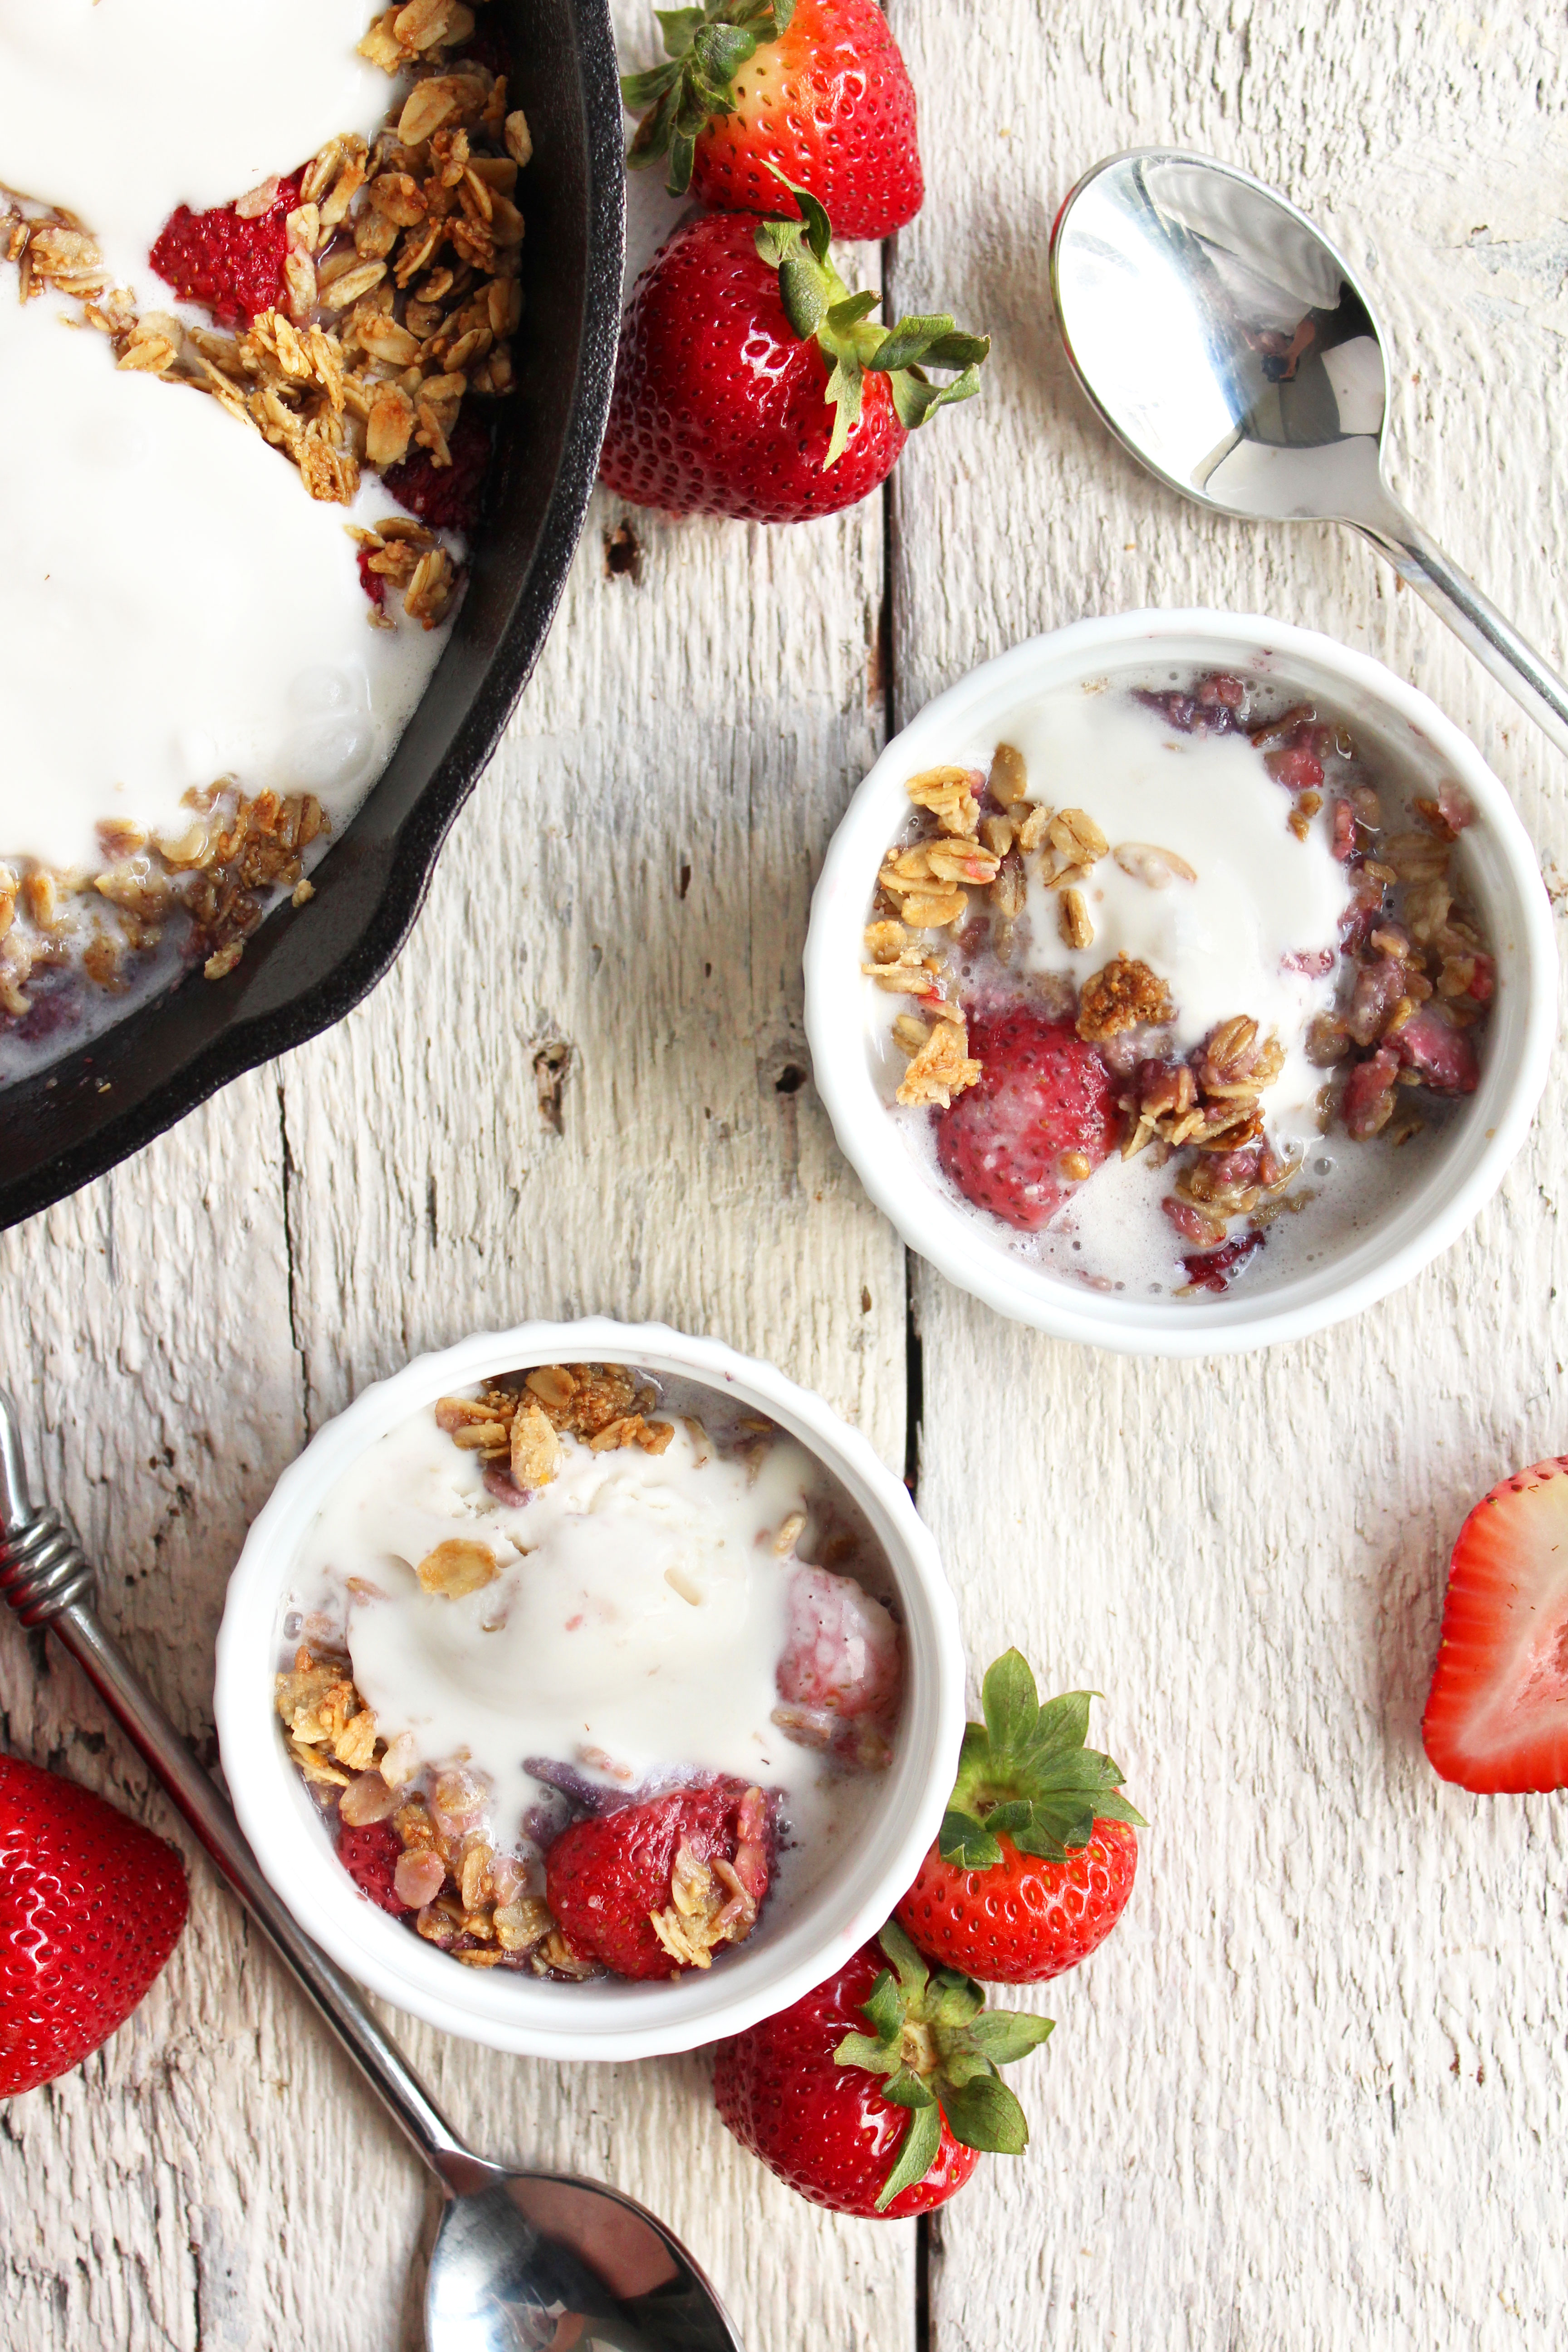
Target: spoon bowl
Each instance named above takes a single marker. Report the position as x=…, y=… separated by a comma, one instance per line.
x=529, y=2261
x=1229, y=346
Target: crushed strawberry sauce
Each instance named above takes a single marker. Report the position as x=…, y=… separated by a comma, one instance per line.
x=233, y=266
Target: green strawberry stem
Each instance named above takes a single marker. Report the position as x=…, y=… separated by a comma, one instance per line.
x=1026, y=1771
x=938, y=2048
x=819, y=305
x=706, y=48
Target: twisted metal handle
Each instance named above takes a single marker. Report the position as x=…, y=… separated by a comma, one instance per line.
x=47, y=1580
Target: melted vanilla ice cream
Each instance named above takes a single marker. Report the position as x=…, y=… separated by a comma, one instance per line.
x=633, y=1632
x=1220, y=940
x=118, y=111
x=176, y=608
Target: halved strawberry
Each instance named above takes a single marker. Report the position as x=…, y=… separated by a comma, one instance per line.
x=1497, y=1715
x=1043, y=1098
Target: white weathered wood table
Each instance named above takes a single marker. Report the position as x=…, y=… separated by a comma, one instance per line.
x=1310, y=2094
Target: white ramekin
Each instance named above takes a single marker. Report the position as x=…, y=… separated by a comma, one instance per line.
x=514, y=2011
x=1500, y=867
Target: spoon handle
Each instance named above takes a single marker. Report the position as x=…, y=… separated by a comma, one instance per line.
x=47, y=1580
x=1473, y=619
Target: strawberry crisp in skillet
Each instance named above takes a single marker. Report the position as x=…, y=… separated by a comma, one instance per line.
x=590, y=1674
x=1182, y=976
x=258, y=278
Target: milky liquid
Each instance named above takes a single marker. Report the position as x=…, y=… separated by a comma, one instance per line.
x=121, y=110
x=634, y=1631
x=1260, y=895
x=174, y=607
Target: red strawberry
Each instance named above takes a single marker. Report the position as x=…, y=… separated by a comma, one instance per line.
x=813, y=89
x=370, y=1853
x=750, y=382
x=1037, y=1854
x=888, y=2122
x=235, y=267
x=653, y=1888
x=91, y=1906
x=1041, y=1092
x=1497, y=1715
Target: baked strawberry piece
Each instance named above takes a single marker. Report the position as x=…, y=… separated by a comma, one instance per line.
x=816, y=89
x=876, y=2092
x=841, y=1675
x=650, y=1889
x=1497, y=1715
x=1042, y=1096
x=91, y=1904
x=370, y=1853
x=232, y=265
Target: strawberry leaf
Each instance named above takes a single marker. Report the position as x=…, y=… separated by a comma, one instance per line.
x=639, y=90
x=966, y=1841
x=984, y=2114
x=883, y=2009
x=916, y=2154
x=908, y=2089
x=1003, y=2035
x=1010, y=1705
x=680, y=27
x=875, y=2057
x=952, y=1999
x=705, y=48
x=1025, y=1774
x=847, y=314
x=912, y=1971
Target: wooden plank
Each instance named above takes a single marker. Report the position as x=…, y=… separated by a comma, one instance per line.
x=1302, y=2097
x=145, y=1332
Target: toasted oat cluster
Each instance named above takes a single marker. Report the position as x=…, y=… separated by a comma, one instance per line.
x=1413, y=974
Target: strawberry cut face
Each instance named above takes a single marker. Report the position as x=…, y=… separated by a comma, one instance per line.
x=1042, y=1092
x=1497, y=1715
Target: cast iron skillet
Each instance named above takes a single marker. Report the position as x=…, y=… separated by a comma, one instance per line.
x=303, y=971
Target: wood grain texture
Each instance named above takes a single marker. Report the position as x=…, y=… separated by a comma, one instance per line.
x=1310, y=2093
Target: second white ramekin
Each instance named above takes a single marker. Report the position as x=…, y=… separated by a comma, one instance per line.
x=1498, y=866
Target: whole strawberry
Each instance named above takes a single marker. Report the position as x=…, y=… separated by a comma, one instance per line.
x=656, y=1888
x=750, y=382
x=1497, y=1715
x=91, y=1906
x=1036, y=1856
x=1041, y=1117
x=889, y=2121
x=814, y=90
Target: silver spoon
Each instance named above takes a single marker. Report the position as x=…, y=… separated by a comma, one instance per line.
x=1228, y=345
x=521, y=2260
